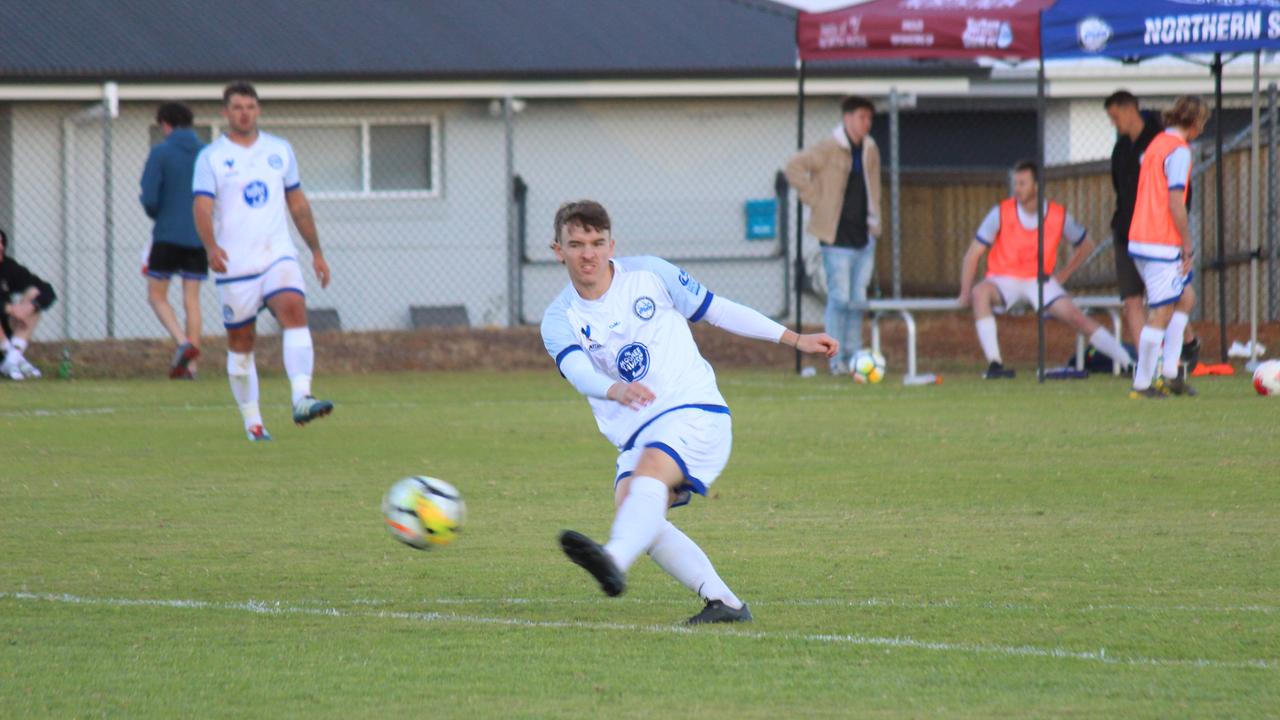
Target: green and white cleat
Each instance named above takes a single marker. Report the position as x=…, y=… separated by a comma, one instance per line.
x=257, y=433
x=309, y=408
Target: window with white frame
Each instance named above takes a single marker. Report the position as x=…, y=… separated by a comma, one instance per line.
x=364, y=158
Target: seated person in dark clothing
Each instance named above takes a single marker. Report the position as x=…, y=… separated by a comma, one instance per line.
x=25, y=297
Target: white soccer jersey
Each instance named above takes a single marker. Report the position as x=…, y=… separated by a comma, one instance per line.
x=247, y=184
x=638, y=331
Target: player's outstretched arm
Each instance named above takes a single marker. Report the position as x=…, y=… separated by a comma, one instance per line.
x=747, y=322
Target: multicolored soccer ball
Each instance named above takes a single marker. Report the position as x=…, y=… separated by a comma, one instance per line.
x=867, y=367
x=1266, y=379
x=424, y=512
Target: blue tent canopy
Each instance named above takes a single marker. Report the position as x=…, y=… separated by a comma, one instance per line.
x=1125, y=29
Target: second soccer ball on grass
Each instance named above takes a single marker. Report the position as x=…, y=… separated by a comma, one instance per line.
x=867, y=367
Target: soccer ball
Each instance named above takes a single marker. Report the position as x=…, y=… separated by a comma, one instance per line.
x=1266, y=379
x=423, y=512
x=867, y=367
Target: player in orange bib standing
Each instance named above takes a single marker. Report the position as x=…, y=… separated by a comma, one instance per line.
x=1010, y=231
x=1160, y=245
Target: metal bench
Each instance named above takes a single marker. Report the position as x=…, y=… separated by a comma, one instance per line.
x=906, y=307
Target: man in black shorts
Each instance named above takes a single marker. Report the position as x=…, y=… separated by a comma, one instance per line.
x=175, y=247
x=1135, y=130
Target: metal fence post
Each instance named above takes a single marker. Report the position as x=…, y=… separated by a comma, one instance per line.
x=514, y=301
x=895, y=188
x=1273, y=261
x=110, y=107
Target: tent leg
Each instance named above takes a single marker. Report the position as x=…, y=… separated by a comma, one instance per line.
x=1221, y=209
x=799, y=259
x=1040, y=195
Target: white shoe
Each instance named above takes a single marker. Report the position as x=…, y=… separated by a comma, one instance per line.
x=29, y=370
x=11, y=370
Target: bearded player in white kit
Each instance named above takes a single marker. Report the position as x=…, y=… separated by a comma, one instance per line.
x=244, y=184
x=620, y=334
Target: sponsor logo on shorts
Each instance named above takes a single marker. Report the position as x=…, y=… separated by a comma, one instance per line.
x=228, y=314
x=644, y=308
x=255, y=194
x=275, y=161
x=633, y=362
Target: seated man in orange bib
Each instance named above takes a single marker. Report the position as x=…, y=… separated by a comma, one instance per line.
x=1010, y=232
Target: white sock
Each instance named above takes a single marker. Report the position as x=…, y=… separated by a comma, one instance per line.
x=299, y=360
x=242, y=372
x=1148, y=349
x=683, y=560
x=19, y=345
x=1107, y=343
x=1173, y=343
x=638, y=521
x=987, y=339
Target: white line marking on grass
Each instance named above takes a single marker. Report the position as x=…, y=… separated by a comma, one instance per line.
x=262, y=607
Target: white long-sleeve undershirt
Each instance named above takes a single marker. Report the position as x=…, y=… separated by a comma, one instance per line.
x=579, y=371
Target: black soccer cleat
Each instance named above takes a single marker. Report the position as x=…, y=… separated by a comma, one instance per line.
x=590, y=556
x=717, y=612
x=997, y=371
x=1179, y=386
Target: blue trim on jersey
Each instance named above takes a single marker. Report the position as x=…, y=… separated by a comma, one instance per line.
x=565, y=353
x=1178, y=187
x=618, y=479
x=241, y=278
x=1154, y=259
x=702, y=309
x=205, y=193
x=631, y=441
x=1083, y=235
x=691, y=482
x=1051, y=302
x=290, y=188
x=276, y=292
x=984, y=242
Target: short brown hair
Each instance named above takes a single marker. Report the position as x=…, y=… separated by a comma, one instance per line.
x=854, y=103
x=1120, y=98
x=586, y=214
x=1187, y=111
x=239, y=87
x=1030, y=166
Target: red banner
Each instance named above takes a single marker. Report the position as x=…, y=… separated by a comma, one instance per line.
x=922, y=29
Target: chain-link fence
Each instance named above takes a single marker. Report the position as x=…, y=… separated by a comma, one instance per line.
x=439, y=212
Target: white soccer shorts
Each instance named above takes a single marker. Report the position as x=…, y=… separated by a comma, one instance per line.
x=1018, y=290
x=697, y=438
x=1164, y=280
x=242, y=298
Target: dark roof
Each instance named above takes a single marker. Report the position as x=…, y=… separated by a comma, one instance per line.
x=397, y=39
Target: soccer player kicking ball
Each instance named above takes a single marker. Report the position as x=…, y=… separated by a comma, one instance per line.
x=244, y=183
x=620, y=334
x=1160, y=244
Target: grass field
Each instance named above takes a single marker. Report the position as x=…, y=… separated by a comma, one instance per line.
x=968, y=550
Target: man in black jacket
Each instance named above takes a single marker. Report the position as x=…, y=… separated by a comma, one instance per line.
x=1135, y=130
x=25, y=296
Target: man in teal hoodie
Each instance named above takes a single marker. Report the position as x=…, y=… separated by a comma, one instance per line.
x=175, y=247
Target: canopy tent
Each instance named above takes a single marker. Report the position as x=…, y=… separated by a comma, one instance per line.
x=1007, y=30
x=1139, y=29
x=1018, y=30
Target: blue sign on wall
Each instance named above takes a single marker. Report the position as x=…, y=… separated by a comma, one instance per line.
x=762, y=219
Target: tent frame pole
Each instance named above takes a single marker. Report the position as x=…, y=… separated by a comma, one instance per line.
x=799, y=241
x=1040, y=197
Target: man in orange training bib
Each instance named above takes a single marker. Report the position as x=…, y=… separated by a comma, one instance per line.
x=1010, y=232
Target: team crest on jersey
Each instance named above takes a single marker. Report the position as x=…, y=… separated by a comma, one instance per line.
x=228, y=314
x=633, y=362
x=255, y=194
x=275, y=161
x=644, y=308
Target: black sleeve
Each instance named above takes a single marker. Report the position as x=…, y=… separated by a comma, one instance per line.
x=21, y=279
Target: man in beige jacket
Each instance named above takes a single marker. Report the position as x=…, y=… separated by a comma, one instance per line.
x=839, y=179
